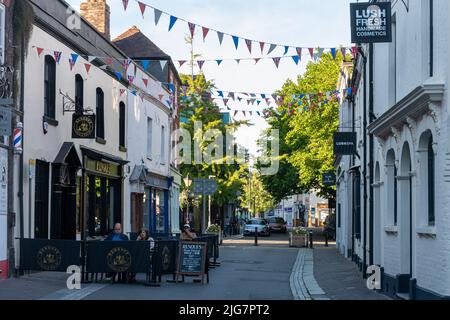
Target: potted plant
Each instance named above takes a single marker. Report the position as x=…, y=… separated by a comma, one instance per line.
x=299, y=238
x=215, y=229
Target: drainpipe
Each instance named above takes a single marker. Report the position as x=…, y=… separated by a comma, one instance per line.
x=21, y=108
x=365, y=166
x=371, y=157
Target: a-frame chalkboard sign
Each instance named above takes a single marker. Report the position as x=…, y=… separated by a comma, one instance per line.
x=192, y=260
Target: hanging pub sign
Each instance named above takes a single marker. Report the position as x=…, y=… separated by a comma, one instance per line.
x=344, y=143
x=329, y=179
x=371, y=22
x=83, y=126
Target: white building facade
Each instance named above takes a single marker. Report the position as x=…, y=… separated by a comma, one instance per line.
x=393, y=195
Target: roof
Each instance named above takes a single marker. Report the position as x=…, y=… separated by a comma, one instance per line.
x=68, y=154
x=137, y=46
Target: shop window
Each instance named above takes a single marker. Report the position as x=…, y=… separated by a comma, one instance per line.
x=49, y=87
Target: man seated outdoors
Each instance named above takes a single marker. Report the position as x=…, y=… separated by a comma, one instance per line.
x=187, y=234
x=117, y=235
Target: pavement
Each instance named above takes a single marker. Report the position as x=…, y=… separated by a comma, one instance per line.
x=270, y=271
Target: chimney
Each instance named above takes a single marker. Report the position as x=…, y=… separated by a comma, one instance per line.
x=97, y=13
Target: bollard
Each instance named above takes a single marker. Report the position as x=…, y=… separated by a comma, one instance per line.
x=311, y=241
x=256, y=236
x=326, y=239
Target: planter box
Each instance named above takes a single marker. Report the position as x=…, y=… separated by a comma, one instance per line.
x=298, y=241
x=218, y=234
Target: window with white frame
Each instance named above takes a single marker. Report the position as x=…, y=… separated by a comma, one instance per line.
x=163, y=145
x=2, y=34
x=149, y=137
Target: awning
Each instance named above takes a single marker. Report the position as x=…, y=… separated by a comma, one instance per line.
x=354, y=169
x=139, y=175
x=101, y=156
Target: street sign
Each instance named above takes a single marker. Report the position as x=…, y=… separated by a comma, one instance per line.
x=371, y=22
x=5, y=121
x=206, y=187
x=344, y=143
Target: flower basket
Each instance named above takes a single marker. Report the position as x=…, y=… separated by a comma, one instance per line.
x=298, y=238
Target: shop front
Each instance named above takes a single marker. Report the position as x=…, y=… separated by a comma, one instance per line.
x=103, y=184
x=149, y=201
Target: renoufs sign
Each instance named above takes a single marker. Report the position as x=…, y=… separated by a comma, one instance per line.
x=371, y=22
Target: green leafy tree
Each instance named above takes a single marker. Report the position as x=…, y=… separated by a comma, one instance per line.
x=255, y=197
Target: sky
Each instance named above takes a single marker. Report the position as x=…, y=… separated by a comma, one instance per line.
x=298, y=23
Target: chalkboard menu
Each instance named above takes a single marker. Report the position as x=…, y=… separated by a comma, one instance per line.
x=192, y=259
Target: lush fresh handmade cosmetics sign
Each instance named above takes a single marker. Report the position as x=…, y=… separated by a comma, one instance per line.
x=371, y=22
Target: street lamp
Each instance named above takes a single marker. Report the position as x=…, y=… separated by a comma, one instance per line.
x=188, y=184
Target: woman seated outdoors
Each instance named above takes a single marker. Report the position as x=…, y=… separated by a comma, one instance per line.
x=143, y=235
x=187, y=234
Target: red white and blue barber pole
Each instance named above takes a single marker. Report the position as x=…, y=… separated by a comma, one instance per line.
x=18, y=138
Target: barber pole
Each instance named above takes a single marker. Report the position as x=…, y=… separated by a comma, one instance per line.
x=17, y=137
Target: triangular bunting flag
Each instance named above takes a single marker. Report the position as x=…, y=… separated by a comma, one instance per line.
x=141, y=95
x=118, y=75
x=258, y=102
x=249, y=45
x=296, y=59
x=173, y=20
x=355, y=52
x=142, y=6
x=220, y=93
x=88, y=67
x=127, y=63
x=145, y=81
x=333, y=52
x=145, y=64
x=261, y=45
x=286, y=49
x=299, y=52
x=91, y=59
x=125, y=4
x=311, y=52
x=272, y=47
x=245, y=115
x=258, y=113
x=263, y=95
x=109, y=61
x=321, y=50
x=205, y=33
x=161, y=96
x=277, y=61
x=39, y=51
x=191, y=28
x=236, y=41
x=225, y=101
x=130, y=79
x=134, y=93
x=158, y=14
x=220, y=35
x=181, y=62
x=238, y=60
x=163, y=64
x=257, y=60
x=122, y=91
x=58, y=55
x=219, y=62
x=71, y=63
x=235, y=113
x=104, y=67
x=231, y=95
x=200, y=63
x=74, y=58
x=344, y=52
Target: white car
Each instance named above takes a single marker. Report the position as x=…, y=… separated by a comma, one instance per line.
x=257, y=224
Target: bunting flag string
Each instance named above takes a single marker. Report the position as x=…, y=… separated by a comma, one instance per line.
x=236, y=39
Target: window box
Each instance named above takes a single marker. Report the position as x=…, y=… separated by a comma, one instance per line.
x=50, y=121
x=100, y=140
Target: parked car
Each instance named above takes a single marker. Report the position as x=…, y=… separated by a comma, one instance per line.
x=260, y=224
x=278, y=225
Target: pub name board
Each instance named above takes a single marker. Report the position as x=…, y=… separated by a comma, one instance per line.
x=371, y=22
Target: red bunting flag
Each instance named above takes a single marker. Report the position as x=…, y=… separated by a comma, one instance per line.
x=262, y=44
x=39, y=51
x=122, y=91
x=311, y=52
x=142, y=96
x=131, y=79
x=142, y=6
x=181, y=62
x=191, y=28
x=161, y=96
x=249, y=45
x=58, y=55
x=145, y=81
x=88, y=67
x=71, y=63
x=277, y=61
x=299, y=52
x=127, y=63
x=125, y=4
x=109, y=61
x=205, y=32
x=225, y=101
x=355, y=52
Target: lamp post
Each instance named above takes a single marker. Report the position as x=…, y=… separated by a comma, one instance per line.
x=188, y=184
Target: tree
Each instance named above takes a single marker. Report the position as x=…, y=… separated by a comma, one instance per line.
x=306, y=125
x=255, y=197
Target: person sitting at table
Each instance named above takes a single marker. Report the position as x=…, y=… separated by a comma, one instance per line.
x=187, y=234
x=144, y=235
x=117, y=235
